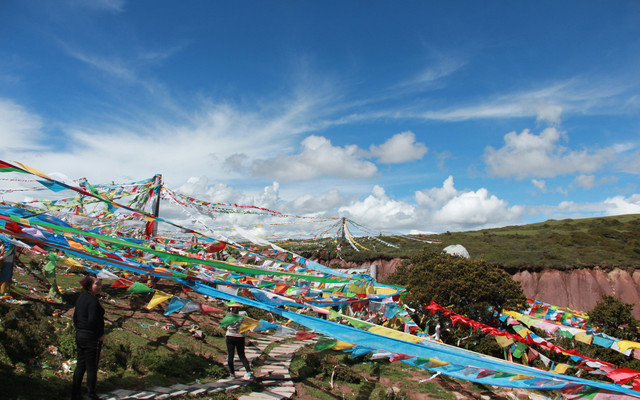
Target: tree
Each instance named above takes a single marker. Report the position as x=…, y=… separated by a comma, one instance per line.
x=472, y=288
x=613, y=317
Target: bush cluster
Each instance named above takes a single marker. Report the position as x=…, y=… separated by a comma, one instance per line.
x=180, y=364
x=324, y=365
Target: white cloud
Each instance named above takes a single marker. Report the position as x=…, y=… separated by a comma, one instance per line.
x=630, y=163
x=136, y=150
x=436, y=198
x=619, y=205
x=435, y=209
x=442, y=67
x=19, y=129
x=317, y=158
x=477, y=208
x=546, y=104
x=400, y=148
x=590, y=181
x=527, y=154
x=448, y=207
x=540, y=184
x=548, y=112
x=378, y=211
x=309, y=203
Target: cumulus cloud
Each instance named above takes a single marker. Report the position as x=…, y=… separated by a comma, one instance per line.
x=309, y=203
x=619, y=205
x=527, y=154
x=446, y=206
x=19, y=128
x=549, y=113
x=380, y=212
x=435, y=209
x=400, y=148
x=317, y=158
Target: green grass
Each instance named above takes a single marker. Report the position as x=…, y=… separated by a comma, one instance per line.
x=559, y=244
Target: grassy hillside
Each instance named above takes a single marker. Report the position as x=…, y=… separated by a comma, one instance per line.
x=605, y=241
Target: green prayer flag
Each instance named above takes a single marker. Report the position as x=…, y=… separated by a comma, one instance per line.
x=422, y=360
x=230, y=319
x=324, y=344
x=356, y=323
x=138, y=287
x=333, y=314
x=501, y=375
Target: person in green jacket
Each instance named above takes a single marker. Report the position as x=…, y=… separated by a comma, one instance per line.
x=49, y=271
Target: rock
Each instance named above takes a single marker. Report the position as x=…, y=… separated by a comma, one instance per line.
x=456, y=250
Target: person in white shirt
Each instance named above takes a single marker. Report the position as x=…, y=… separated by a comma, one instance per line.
x=235, y=342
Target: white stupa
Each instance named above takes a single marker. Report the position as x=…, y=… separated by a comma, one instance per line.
x=456, y=250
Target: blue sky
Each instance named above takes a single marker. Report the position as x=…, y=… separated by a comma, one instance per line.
x=413, y=116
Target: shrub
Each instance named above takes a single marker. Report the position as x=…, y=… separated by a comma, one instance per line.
x=181, y=364
x=469, y=287
x=26, y=334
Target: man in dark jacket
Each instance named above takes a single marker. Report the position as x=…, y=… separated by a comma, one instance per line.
x=88, y=318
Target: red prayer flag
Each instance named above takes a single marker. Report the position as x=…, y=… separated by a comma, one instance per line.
x=623, y=375
x=207, y=309
x=304, y=335
x=121, y=282
x=398, y=357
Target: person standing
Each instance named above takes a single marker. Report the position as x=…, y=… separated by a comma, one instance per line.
x=88, y=318
x=49, y=271
x=8, y=257
x=235, y=342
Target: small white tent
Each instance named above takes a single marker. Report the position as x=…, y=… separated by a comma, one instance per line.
x=456, y=250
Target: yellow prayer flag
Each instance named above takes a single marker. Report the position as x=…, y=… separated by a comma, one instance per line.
x=514, y=314
x=561, y=368
x=433, y=363
x=583, y=337
x=34, y=171
x=503, y=341
x=628, y=344
x=158, y=297
x=520, y=377
x=524, y=332
x=383, y=290
x=381, y=330
x=247, y=324
x=528, y=321
x=71, y=261
x=75, y=245
x=355, y=288
x=340, y=345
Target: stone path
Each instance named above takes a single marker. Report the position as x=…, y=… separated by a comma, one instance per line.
x=273, y=375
